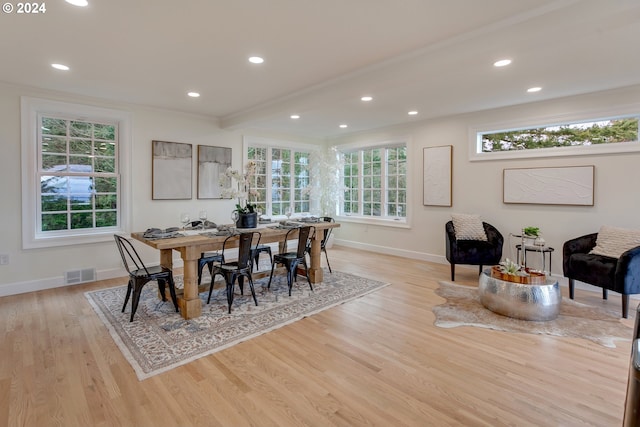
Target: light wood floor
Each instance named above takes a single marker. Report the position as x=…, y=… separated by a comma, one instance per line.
x=378, y=360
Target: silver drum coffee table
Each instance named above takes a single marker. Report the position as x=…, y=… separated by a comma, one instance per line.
x=520, y=301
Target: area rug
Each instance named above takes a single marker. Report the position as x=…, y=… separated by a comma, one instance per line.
x=159, y=339
x=463, y=308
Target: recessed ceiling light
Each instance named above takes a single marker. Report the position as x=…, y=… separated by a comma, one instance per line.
x=193, y=94
x=256, y=60
x=343, y=126
x=534, y=89
x=412, y=113
x=81, y=3
x=366, y=98
x=502, y=63
x=60, y=67
x=295, y=116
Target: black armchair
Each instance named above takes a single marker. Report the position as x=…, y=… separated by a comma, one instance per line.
x=620, y=275
x=473, y=252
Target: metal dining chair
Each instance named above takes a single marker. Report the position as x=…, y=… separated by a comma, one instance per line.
x=323, y=243
x=140, y=275
x=208, y=258
x=291, y=260
x=238, y=269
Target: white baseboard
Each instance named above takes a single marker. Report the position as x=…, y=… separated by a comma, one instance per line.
x=58, y=281
x=440, y=259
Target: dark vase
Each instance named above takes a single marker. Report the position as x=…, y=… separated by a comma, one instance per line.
x=247, y=220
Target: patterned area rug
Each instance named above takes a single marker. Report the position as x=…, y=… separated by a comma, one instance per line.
x=159, y=339
x=463, y=308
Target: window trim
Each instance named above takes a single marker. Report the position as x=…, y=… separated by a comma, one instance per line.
x=31, y=108
x=385, y=221
x=271, y=143
x=475, y=139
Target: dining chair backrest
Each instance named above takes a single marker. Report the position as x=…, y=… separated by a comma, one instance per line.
x=245, y=242
x=130, y=257
x=303, y=237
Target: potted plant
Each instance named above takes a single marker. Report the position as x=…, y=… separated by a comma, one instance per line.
x=532, y=236
x=510, y=271
x=244, y=215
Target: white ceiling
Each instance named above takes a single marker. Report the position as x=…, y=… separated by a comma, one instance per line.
x=321, y=56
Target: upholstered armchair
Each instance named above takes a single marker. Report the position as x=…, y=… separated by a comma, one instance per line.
x=473, y=252
x=620, y=275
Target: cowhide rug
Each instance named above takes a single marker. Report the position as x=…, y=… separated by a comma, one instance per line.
x=463, y=308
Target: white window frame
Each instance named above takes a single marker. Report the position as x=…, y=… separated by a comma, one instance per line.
x=269, y=143
x=385, y=221
x=475, y=135
x=31, y=109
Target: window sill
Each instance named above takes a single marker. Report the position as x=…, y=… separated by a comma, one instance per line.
x=79, y=239
x=385, y=222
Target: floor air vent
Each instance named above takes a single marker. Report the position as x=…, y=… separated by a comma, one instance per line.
x=80, y=276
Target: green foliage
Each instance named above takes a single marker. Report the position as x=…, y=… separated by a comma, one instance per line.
x=606, y=132
x=531, y=231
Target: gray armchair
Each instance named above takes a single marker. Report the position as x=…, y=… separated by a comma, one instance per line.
x=620, y=275
x=473, y=252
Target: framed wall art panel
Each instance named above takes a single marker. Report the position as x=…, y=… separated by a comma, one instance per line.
x=171, y=170
x=212, y=161
x=437, y=175
x=572, y=185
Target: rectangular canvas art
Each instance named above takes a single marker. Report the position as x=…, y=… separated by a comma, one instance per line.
x=571, y=185
x=437, y=163
x=212, y=161
x=171, y=170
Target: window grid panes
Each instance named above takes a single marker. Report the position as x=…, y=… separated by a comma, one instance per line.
x=375, y=182
x=259, y=155
x=77, y=174
x=286, y=179
x=351, y=180
x=397, y=182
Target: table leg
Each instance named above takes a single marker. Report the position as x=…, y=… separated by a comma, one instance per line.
x=190, y=304
x=315, y=269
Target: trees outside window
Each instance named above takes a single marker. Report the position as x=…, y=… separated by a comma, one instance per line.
x=375, y=182
x=607, y=131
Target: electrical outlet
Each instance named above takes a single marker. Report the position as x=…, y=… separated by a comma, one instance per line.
x=4, y=259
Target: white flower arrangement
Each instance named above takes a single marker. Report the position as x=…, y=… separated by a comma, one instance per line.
x=242, y=191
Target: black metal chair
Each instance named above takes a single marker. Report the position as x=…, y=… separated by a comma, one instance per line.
x=473, y=252
x=323, y=242
x=140, y=275
x=257, y=250
x=291, y=260
x=208, y=258
x=236, y=269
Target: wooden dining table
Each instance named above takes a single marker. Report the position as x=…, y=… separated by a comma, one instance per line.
x=192, y=244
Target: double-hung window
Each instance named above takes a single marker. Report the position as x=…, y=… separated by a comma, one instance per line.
x=375, y=182
x=73, y=159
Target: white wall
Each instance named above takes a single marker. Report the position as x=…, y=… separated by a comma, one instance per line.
x=43, y=268
x=477, y=186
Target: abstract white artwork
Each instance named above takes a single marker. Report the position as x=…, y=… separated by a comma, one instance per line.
x=171, y=170
x=212, y=161
x=572, y=185
x=437, y=163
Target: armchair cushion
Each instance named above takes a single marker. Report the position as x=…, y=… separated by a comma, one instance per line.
x=468, y=227
x=613, y=241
